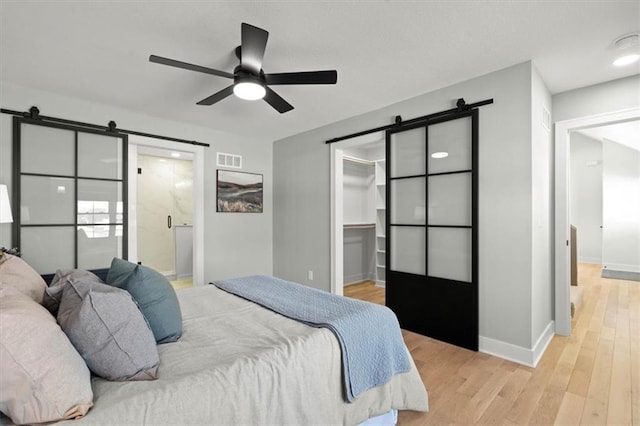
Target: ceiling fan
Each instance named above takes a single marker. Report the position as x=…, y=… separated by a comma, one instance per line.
x=249, y=80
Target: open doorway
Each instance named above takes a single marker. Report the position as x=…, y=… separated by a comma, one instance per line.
x=358, y=217
x=165, y=213
x=563, y=243
x=166, y=217
x=604, y=204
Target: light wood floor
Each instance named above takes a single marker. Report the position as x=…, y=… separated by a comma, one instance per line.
x=182, y=283
x=591, y=377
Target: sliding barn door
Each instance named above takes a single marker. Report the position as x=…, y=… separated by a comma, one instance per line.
x=71, y=191
x=432, y=235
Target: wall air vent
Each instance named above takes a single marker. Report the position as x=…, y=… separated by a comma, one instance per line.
x=229, y=160
x=546, y=118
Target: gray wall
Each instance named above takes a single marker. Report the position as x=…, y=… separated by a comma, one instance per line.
x=234, y=244
x=611, y=96
x=586, y=196
x=302, y=198
x=542, y=282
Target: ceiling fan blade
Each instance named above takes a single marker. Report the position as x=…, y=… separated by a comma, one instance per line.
x=218, y=96
x=276, y=101
x=254, y=42
x=304, y=77
x=187, y=66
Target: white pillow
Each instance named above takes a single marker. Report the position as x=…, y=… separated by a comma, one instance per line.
x=44, y=379
x=17, y=273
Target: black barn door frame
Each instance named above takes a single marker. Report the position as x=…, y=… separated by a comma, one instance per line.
x=18, y=174
x=453, y=319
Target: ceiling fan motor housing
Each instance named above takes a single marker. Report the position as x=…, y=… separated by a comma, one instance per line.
x=243, y=76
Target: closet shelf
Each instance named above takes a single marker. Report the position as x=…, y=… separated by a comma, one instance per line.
x=358, y=161
x=359, y=225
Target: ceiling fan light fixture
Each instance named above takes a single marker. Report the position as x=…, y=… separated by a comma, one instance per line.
x=249, y=90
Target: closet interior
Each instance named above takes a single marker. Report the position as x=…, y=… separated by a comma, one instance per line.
x=364, y=215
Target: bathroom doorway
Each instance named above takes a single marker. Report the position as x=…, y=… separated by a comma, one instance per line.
x=165, y=212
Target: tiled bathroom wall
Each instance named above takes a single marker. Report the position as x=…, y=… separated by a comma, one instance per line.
x=165, y=189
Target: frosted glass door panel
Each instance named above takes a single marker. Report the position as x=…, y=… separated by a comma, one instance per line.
x=408, y=249
x=408, y=153
x=99, y=156
x=408, y=201
x=48, y=249
x=46, y=200
x=99, y=202
x=97, y=245
x=450, y=199
x=47, y=150
x=454, y=138
x=450, y=253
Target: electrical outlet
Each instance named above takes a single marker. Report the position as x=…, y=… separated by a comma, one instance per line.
x=310, y=275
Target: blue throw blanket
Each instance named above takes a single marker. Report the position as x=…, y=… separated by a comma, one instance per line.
x=370, y=338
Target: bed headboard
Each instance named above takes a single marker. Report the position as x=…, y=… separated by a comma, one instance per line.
x=101, y=273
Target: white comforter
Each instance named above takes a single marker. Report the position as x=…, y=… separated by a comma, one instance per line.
x=240, y=364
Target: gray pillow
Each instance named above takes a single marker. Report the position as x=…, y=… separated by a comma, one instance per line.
x=53, y=293
x=108, y=330
x=153, y=293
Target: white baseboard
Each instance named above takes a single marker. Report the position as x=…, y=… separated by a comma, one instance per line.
x=622, y=267
x=358, y=278
x=594, y=260
x=543, y=342
x=524, y=356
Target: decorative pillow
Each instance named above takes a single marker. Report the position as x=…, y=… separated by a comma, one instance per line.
x=107, y=328
x=155, y=296
x=43, y=378
x=53, y=293
x=17, y=273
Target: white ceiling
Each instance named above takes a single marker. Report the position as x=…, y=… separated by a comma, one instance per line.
x=384, y=51
x=627, y=134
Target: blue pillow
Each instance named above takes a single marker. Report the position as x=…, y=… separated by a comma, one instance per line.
x=153, y=293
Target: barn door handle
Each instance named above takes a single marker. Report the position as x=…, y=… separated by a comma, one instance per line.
x=169, y=221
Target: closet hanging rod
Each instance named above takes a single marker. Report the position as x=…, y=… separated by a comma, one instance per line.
x=461, y=106
x=34, y=114
x=358, y=160
x=359, y=225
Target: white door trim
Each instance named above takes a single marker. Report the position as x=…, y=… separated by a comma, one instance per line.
x=562, y=212
x=198, y=198
x=337, y=221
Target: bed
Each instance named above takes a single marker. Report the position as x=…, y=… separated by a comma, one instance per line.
x=238, y=363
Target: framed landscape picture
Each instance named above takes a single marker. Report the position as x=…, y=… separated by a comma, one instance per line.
x=239, y=192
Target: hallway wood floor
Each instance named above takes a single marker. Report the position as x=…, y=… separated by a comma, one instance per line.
x=590, y=378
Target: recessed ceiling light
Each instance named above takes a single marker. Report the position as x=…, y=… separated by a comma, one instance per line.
x=626, y=60
x=175, y=154
x=439, y=155
x=627, y=47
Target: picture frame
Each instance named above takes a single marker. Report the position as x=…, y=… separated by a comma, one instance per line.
x=239, y=192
